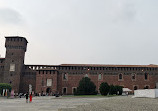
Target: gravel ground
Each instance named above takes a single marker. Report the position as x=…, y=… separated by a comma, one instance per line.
x=119, y=103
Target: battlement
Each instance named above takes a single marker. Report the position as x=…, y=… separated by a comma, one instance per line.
x=16, y=38
x=16, y=42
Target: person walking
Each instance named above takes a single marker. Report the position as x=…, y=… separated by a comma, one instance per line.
x=127, y=93
x=27, y=96
x=31, y=97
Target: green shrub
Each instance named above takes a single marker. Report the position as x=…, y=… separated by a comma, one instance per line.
x=86, y=87
x=112, y=90
x=104, y=88
x=115, y=90
x=119, y=90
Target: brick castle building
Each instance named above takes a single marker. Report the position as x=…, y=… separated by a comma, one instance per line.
x=65, y=78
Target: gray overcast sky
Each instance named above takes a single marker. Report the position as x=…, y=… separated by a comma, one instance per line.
x=83, y=31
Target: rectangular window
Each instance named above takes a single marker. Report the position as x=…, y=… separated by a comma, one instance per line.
x=146, y=76
x=64, y=76
x=12, y=67
x=49, y=82
x=99, y=76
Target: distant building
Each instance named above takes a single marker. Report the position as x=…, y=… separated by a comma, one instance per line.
x=65, y=78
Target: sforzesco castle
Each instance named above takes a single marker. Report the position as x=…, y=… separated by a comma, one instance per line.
x=65, y=78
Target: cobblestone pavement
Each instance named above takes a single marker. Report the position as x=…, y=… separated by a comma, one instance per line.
x=47, y=103
x=118, y=103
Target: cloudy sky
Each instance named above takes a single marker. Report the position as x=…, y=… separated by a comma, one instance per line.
x=83, y=31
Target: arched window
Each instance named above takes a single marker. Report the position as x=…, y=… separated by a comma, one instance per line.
x=135, y=87
x=120, y=77
x=133, y=76
x=74, y=89
x=100, y=77
x=146, y=87
x=64, y=90
x=65, y=76
x=86, y=75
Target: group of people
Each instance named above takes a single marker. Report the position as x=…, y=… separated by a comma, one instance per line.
x=28, y=96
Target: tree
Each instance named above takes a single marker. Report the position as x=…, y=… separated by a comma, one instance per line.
x=104, y=88
x=86, y=87
x=5, y=86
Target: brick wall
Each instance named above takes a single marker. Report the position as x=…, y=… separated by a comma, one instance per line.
x=2, y=61
x=109, y=76
x=41, y=81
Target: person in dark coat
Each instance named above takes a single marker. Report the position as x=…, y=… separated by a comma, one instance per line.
x=27, y=96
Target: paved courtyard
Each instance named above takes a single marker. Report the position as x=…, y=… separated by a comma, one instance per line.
x=46, y=103
x=119, y=103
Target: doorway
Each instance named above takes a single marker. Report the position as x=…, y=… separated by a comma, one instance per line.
x=48, y=90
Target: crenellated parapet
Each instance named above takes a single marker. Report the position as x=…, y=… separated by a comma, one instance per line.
x=39, y=67
x=16, y=42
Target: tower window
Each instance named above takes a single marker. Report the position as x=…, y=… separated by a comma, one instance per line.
x=12, y=67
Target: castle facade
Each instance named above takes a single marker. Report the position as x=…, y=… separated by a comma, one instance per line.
x=65, y=78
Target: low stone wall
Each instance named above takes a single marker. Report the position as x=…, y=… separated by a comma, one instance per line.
x=151, y=93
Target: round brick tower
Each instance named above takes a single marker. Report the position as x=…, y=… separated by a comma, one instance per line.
x=14, y=60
